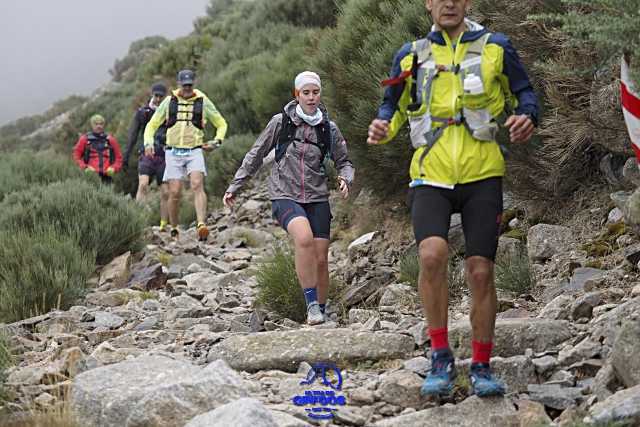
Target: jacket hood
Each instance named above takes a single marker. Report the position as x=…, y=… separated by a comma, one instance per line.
x=473, y=32
x=196, y=93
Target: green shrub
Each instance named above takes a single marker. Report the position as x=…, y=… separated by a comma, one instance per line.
x=278, y=286
x=456, y=275
x=513, y=273
x=5, y=361
x=410, y=268
x=40, y=271
x=186, y=214
x=353, y=59
x=223, y=163
x=606, y=25
x=279, y=289
x=99, y=220
x=24, y=169
x=410, y=272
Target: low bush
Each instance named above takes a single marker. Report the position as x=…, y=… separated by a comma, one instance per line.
x=410, y=268
x=23, y=169
x=40, y=271
x=513, y=273
x=410, y=272
x=5, y=361
x=278, y=286
x=279, y=289
x=187, y=212
x=100, y=221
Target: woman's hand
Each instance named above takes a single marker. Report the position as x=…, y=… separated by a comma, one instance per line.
x=344, y=187
x=229, y=200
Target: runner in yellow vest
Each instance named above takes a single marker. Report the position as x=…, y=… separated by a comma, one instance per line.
x=186, y=112
x=454, y=87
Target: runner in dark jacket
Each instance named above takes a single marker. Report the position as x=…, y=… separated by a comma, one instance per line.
x=150, y=167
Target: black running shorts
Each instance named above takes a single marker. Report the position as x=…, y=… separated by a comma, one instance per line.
x=318, y=214
x=479, y=203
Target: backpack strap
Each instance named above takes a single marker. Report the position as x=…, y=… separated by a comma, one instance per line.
x=286, y=136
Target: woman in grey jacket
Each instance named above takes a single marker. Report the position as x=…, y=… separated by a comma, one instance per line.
x=302, y=136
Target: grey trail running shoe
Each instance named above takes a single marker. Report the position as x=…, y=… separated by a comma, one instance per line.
x=314, y=314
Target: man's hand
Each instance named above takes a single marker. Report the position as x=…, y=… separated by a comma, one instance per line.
x=378, y=130
x=520, y=128
x=89, y=170
x=212, y=145
x=229, y=200
x=110, y=171
x=149, y=151
x=344, y=187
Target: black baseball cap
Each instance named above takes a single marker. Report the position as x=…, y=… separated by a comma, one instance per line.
x=186, y=77
x=159, y=89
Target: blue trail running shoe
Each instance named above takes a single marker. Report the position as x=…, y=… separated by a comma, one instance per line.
x=483, y=384
x=441, y=379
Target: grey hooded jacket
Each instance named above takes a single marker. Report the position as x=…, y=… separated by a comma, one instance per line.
x=299, y=175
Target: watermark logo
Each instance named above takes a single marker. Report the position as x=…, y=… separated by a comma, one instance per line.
x=324, y=403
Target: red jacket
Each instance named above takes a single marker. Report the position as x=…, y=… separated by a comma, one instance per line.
x=89, y=147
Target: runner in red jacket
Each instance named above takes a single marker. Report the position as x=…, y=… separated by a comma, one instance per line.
x=98, y=152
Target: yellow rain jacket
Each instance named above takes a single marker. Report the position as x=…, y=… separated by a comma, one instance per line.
x=456, y=156
x=186, y=120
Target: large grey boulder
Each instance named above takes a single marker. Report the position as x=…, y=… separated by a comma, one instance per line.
x=625, y=353
x=516, y=372
x=632, y=212
x=514, y=336
x=401, y=296
x=243, y=412
x=115, y=274
x=555, y=396
x=249, y=237
x=284, y=350
x=624, y=406
x=545, y=240
x=473, y=412
x=152, y=390
x=401, y=388
x=605, y=328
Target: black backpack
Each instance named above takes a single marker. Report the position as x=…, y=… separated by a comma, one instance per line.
x=288, y=133
x=98, y=143
x=197, y=113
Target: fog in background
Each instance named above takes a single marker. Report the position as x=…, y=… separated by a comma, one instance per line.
x=52, y=49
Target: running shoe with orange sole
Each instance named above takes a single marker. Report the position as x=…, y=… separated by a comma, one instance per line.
x=203, y=232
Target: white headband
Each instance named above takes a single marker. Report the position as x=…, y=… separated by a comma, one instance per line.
x=307, y=77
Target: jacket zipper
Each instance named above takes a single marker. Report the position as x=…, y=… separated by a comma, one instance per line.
x=454, y=97
x=304, y=148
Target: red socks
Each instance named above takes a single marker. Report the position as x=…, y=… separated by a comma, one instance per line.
x=481, y=351
x=439, y=338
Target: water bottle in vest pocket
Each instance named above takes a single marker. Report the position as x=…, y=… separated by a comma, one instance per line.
x=475, y=110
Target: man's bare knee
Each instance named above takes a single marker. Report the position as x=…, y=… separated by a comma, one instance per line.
x=433, y=256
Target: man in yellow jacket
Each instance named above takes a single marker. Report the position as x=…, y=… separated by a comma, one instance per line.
x=185, y=113
x=454, y=87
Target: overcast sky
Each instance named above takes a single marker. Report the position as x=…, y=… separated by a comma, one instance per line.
x=51, y=49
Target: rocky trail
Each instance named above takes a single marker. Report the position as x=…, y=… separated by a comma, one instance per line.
x=172, y=337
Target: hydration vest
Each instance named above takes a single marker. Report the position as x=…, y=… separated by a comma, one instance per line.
x=98, y=143
x=190, y=112
x=288, y=136
x=426, y=129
